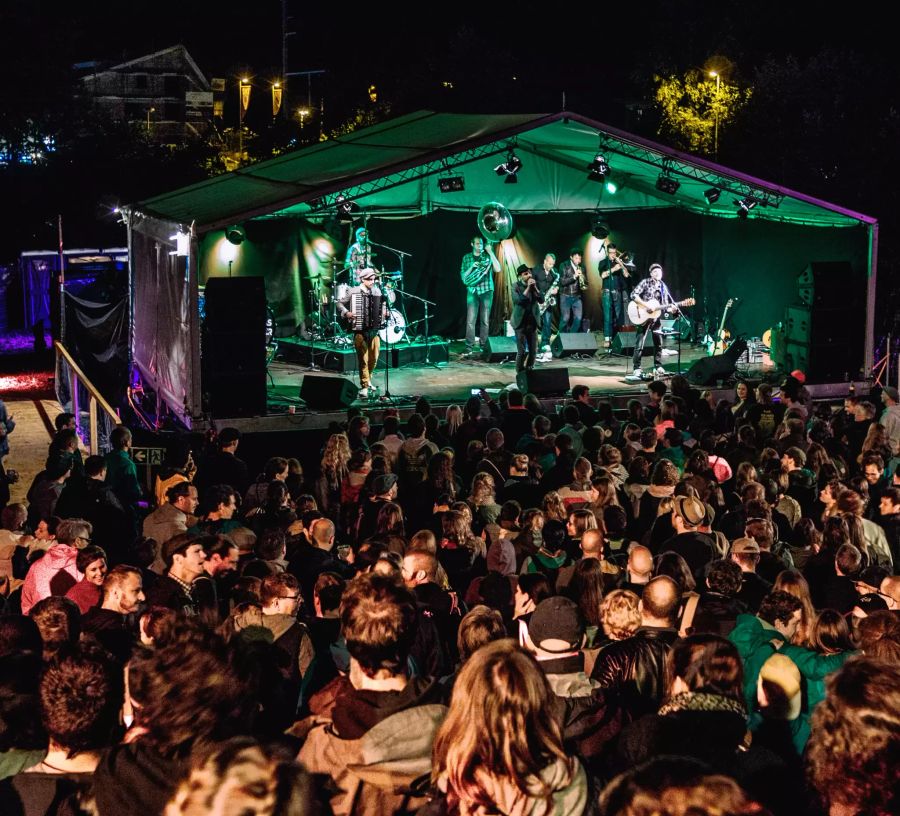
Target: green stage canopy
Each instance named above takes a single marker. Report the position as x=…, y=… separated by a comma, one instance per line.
x=394, y=167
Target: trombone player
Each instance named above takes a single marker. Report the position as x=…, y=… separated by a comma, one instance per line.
x=477, y=272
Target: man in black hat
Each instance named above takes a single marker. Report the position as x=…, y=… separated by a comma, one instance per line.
x=695, y=547
x=384, y=490
x=526, y=316
x=556, y=637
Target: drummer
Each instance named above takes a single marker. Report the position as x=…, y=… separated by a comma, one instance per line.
x=359, y=255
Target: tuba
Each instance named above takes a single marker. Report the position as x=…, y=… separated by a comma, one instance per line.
x=494, y=222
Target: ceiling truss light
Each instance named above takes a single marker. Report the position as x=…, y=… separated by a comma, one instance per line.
x=666, y=184
x=235, y=234
x=598, y=169
x=452, y=184
x=599, y=227
x=712, y=195
x=744, y=206
x=510, y=168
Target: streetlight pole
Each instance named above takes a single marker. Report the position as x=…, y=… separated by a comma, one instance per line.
x=716, y=112
x=243, y=84
x=149, y=111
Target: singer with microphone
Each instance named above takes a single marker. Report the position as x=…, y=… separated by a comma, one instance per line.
x=526, y=317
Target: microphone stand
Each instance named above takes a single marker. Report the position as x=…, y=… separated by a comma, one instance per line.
x=427, y=361
x=667, y=295
x=401, y=256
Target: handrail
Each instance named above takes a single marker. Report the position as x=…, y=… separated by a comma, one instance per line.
x=95, y=398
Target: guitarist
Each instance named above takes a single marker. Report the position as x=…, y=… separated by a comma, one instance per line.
x=547, y=279
x=648, y=289
x=477, y=272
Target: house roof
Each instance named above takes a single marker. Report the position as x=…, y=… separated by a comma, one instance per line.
x=392, y=167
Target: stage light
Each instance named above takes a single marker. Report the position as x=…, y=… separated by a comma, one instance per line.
x=598, y=169
x=346, y=209
x=666, y=184
x=235, y=235
x=611, y=187
x=599, y=227
x=745, y=205
x=452, y=184
x=712, y=195
x=509, y=168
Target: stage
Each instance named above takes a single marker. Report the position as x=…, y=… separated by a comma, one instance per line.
x=446, y=383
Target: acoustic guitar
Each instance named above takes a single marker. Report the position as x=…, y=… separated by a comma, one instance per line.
x=653, y=310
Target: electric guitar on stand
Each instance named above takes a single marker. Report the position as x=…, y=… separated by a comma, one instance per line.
x=652, y=310
x=717, y=344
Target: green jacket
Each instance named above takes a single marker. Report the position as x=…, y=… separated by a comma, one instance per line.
x=815, y=668
x=755, y=640
x=121, y=476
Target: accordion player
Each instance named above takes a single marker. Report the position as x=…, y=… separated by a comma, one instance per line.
x=364, y=311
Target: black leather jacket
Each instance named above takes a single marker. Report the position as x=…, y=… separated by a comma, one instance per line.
x=636, y=669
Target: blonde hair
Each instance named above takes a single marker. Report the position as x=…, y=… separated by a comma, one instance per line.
x=483, y=490
x=500, y=725
x=553, y=507
x=620, y=616
x=336, y=457
x=453, y=416
x=792, y=582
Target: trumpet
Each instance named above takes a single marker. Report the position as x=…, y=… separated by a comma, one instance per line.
x=579, y=277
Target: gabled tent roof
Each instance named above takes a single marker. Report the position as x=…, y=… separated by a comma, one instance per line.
x=392, y=168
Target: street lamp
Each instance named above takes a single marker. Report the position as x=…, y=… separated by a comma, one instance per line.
x=243, y=84
x=302, y=113
x=716, y=112
x=149, y=111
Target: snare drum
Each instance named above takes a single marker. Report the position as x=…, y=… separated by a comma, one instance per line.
x=395, y=330
x=389, y=293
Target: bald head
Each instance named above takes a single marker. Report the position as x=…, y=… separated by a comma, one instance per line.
x=659, y=602
x=592, y=543
x=891, y=587
x=640, y=564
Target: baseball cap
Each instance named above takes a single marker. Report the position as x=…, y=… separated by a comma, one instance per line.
x=557, y=625
x=744, y=546
x=691, y=509
x=891, y=392
x=799, y=376
x=873, y=602
x=381, y=484
x=780, y=679
x=797, y=455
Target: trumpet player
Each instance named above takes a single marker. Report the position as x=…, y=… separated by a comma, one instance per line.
x=572, y=284
x=477, y=272
x=615, y=273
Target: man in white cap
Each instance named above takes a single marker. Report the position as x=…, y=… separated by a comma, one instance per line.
x=365, y=325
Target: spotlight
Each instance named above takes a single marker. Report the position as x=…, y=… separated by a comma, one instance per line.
x=598, y=168
x=712, y=195
x=611, y=187
x=452, y=184
x=666, y=184
x=346, y=209
x=509, y=168
x=745, y=205
x=599, y=227
x=235, y=235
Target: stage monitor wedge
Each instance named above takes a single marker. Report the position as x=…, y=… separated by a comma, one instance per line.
x=499, y=348
x=574, y=343
x=709, y=370
x=324, y=393
x=544, y=382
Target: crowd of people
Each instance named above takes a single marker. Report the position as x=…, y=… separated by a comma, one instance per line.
x=688, y=606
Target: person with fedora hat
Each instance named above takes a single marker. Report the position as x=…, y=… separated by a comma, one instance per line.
x=183, y=556
x=365, y=339
x=698, y=549
x=745, y=553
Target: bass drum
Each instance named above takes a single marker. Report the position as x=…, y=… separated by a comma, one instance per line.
x=395, y=330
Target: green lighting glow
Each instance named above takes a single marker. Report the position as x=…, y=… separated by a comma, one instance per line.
x=611, y=187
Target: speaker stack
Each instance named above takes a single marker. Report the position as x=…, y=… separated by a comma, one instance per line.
x=823, y=335
x=233, y=352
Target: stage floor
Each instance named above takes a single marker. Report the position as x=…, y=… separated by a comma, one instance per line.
x=453, y=382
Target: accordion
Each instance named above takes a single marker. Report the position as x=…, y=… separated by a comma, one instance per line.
x=368, y=311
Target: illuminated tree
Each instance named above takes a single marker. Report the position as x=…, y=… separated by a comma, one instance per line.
x=691, y=106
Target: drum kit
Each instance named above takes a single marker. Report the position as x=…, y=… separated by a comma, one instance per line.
x=322, y=324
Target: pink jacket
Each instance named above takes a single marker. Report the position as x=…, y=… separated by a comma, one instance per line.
x=44, y=570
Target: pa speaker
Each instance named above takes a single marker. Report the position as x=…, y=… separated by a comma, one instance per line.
x=327, y=393
x=499, y=348
x=545, y=382
x=236, y=393
x=235, y=304
x=574, y=343
x=831, y=285
x=624, y=341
